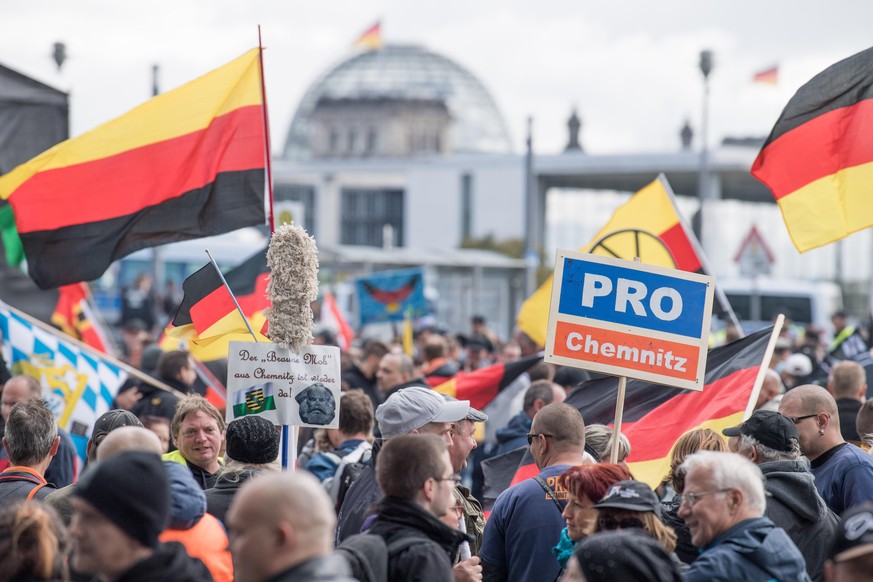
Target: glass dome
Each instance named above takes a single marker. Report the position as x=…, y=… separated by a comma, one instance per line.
x=408, y=72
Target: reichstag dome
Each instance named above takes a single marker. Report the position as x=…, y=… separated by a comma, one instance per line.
x=396, y=101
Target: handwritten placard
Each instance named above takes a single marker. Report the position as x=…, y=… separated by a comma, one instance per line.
x=300, y=389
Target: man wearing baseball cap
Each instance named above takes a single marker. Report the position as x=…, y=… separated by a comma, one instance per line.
x=851, y=558
x=411, y=410
x=770, y=441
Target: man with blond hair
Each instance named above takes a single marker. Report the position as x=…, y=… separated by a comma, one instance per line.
x=198, y=433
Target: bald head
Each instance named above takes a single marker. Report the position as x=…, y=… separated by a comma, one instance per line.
x=563, y=422
x=811, y=398
x=18, y=389
x=291, y=516
x=129, y=438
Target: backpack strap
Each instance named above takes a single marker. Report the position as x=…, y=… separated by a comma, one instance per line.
x=16, y=476
x=551, y=494
x=35, y=489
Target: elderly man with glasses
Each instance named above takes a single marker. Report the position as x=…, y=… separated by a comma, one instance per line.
x=843, y=472
x=723, y=506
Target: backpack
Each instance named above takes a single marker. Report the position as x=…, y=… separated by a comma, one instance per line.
x=368, y=555
x=348, y=469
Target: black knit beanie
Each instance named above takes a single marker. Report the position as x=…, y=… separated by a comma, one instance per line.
x=253, y=440
x=132, y=491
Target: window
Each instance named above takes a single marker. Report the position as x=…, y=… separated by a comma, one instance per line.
x=365, y=212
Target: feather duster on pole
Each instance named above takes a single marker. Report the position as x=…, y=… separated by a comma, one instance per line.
x=293, y=286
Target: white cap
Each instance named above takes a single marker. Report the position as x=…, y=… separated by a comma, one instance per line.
x=798, y=365
x=413, y=407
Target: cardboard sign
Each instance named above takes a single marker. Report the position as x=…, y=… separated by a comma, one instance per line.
x=629, y=319
x=299, y=389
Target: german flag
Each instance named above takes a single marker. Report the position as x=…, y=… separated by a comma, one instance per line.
x=818, y=159
x=208, y=317
x=656, y=416
x=482, y=386
x=647, y=226
x=371, y=39
x=769, y=76
x=187, y=164
x=73, y=315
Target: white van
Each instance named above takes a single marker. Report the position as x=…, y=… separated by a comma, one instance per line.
x=758, y=301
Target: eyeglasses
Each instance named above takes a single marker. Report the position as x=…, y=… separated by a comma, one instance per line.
x=532, y=436
x=796, y=419
x=610, y=523
x=691, y=499
x=456, y=478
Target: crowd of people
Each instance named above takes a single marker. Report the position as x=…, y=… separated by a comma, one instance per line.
x=170, y=490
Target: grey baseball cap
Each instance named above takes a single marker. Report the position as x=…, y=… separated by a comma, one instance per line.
x=414, y=407
x=473, y=414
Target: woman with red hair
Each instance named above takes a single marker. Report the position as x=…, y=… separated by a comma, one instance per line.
x=585, y=486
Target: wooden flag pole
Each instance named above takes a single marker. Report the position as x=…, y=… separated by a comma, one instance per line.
x=619, y=412
x=232, y=296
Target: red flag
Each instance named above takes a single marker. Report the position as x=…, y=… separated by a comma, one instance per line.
x=74, y=316
x=332, y=318
x=769, y=76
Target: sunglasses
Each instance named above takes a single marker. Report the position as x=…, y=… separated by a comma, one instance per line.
x=610, y=523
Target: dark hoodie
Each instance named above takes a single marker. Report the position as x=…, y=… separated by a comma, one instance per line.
x=753, y=550
x=795, y=506
x=514, y=435
x=169, y=562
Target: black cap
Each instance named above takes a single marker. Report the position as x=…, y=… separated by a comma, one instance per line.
x=132, y=490
x=625, y=554
x=769, y=428
x=630, y=495
x=855, y=534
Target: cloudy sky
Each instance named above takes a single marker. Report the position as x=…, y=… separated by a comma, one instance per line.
x=629, y=67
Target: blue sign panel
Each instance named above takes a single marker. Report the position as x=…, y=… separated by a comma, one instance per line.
x=632, y=297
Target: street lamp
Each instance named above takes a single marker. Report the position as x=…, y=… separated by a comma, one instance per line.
x=703, y=190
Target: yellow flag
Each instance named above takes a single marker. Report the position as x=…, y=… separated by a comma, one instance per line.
x=647, y=226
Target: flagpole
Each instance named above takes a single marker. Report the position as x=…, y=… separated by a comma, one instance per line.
x=83, y=346
x=619, y=412
x=704, y=261
x=765, y=365
x=232, y=296
x=267, y=146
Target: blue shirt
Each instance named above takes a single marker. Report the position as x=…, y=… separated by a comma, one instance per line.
x=844, y=478
x=524, y=526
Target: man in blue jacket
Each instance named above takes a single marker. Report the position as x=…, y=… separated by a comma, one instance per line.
x=723, y=506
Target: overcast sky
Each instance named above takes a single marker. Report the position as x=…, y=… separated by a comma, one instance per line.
x=629, y=67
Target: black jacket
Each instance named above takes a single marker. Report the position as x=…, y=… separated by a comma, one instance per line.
x=356, y=378
x=794, y=505
x=330, y=568
x=218, y=497
x=169, y=562
x=429, y=561
x=360, y=500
